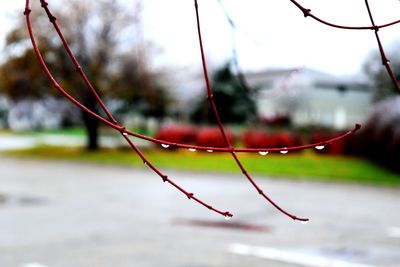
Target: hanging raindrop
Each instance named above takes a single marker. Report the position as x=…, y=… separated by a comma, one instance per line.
x=210, y=150
x=192, y=149
x=304, y=222
x=125, y=134
x=285, y=151
x=320, y=147
x=165, y=145
x=263, y=153
x=227, y=217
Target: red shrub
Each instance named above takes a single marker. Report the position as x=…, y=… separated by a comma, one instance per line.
x=257, y=139
x=260, y=139
x=286, y=139
x=177, y=134
x=212, y=137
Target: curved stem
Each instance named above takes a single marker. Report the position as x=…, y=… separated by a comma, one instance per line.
x=79, y=69
x=222, y=130
x=115, y=125
x=385, y=60
x=307, y=13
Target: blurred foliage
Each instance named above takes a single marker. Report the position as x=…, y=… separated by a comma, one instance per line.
x=21, y=77
x=150, y=97
x=379, y=138
x=377, y=72
x=234, y=102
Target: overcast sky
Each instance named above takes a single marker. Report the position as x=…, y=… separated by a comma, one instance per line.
x=269, y=33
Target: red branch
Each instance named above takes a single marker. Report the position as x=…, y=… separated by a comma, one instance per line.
x=115, y=125
x=374, y=27
x=385, y=60
x=307, y=13
x=111, y=122
x=218, y=119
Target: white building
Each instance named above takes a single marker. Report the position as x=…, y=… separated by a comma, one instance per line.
x=310, y=97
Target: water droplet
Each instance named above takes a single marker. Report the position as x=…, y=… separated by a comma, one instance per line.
x=263, y=153
x=125, y=134
x=304, y=222
x=320, y=147
x=210, y=150
x=227, y=217
x=145, y=162
x=165, y=145
x=192, y=149
x=284, y=151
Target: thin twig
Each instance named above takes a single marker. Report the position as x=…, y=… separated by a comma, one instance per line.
x=114, y=124
x=374, y=27
x=385, y=60
x=222, y=130
x=307, y=13
x=229, y=148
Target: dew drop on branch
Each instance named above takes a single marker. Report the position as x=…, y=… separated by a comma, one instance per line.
x=210, y=150
x=227, y=217
x=284, y=151
x=125, y=134
x=304, y=222
x=192, y=149
x=320, y=147
x=165, y=145
x=263, y=153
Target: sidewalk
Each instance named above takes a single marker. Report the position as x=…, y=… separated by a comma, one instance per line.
x=12, y=142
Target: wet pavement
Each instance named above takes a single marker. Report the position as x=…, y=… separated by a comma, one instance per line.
x=61, y=214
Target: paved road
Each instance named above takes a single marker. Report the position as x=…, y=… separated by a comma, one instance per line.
x=75, y=215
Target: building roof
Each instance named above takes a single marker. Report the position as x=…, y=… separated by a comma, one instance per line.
x=272, y=78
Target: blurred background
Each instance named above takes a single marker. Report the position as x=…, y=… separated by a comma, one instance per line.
x=279, y=80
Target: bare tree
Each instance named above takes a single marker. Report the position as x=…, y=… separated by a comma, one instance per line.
x=103, y=36
x=373, y=68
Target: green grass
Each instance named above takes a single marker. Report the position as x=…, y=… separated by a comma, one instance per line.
x=296, y=166
x=5, y=132
x=72, y=131
x=78, y=131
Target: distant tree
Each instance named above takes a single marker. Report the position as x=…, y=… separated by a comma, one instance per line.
x=379, y=76
x=150, y=97
x=20, y=74
x=379, y=138
x=97, y=33
x=234, y=101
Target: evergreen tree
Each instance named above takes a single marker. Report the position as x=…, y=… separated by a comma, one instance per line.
x=234, y=102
